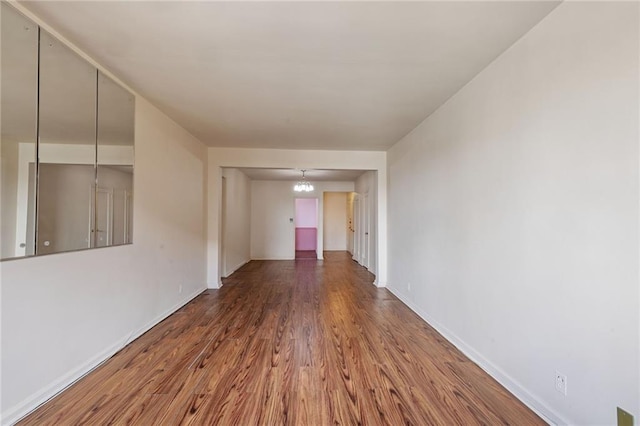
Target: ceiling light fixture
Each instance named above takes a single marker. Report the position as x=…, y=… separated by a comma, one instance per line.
x=303, y=185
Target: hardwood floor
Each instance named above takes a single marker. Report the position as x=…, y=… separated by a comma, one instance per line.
x=306, y=254
x=289, y=342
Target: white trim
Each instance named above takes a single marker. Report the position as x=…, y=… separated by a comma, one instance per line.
x=29, y=404
x=148, y=326
x=273, y=258
x=379, y=283
x=519, y=391
x=17, y=412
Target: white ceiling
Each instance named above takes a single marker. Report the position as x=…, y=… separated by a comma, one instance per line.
x=313, y=175
x=307, y=75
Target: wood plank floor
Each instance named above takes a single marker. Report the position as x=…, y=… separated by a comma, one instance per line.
x=306, y=254
x=289, y=342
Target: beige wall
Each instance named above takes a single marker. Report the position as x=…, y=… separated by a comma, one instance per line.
x=513, y=215
x=335, y=220
x=236, y=241
x=79, y=308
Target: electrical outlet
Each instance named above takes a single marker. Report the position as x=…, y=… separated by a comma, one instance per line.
x=561, y=383
x=180, y=288
x=624, y=418
x=408, y=286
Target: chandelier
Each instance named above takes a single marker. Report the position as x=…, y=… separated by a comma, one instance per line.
x=303, y=185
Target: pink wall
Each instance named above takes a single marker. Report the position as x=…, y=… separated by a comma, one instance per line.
x=306, y=238
x=306, y=223
x=306, y=212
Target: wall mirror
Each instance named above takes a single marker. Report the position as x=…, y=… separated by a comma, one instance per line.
x=114, y=191
x=18, y=132
x=67, y=147
x=66, y=152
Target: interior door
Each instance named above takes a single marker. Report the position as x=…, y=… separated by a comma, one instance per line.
x=356, y=229
x=223, y=228
x=366, y=222
x=104, y=217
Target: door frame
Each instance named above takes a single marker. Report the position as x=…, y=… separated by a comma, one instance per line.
x=93, y=220
x=295, y=224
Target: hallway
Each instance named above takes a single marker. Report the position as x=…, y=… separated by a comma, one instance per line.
x=289, y=342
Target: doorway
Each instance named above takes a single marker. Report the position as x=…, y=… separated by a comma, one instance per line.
x=306, y=224
x=336, y=223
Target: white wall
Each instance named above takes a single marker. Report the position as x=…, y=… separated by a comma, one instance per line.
x=64, y=313
x=272, y=232
x=237, y=229
x=335, y=220
x=272, y=207
x=513, y=214
x=297, y=159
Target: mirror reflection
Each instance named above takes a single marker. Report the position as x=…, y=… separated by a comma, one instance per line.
x=19, y=88
x=66, y=154
x=67, y=147
x=114, y=191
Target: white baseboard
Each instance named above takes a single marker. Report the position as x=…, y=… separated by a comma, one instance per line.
x=29, y=404
x=379, y=284
x=148, y=326
x=17, y=412
x=238, y=266
x=519, y=391
x=273, y=258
